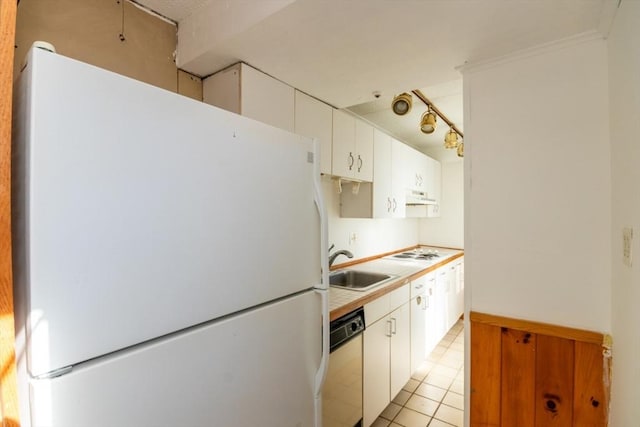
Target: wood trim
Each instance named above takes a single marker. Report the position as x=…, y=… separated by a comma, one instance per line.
x=539, y=328
x=8, y=390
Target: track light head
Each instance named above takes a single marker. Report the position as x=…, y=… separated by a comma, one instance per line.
x=428, y=122
x=451, y=139
x=401, y=104
x=461, y=149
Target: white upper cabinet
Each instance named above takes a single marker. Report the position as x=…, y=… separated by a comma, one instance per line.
x=251, y=93
x=352, y=147
x=385, y=198
x=434, y=187
x=398, y=189
x=364, y=151
x=314, y=119
x=388, y=188
x=382, y=176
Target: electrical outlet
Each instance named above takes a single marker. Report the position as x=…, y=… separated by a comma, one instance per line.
x=627, y=240
x=353, y=237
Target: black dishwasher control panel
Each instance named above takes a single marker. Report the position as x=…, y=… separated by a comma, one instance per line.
x=346, y=327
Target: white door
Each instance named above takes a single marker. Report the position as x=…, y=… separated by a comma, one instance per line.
x=252, y=369
x=376, y=365
x=418, y=331
x=400, y=348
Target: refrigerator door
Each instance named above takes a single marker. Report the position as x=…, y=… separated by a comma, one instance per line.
x=252, y=369
x=139, y=212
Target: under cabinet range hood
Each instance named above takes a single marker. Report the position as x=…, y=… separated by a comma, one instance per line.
x=418, y=198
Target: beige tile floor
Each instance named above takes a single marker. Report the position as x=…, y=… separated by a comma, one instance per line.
x=434, y=396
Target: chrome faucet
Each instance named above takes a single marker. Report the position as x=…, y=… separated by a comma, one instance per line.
x=334, y=255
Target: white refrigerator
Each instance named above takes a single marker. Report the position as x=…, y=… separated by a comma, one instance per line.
x=169, y=258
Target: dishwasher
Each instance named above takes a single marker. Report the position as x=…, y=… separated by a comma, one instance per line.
x=342, y=392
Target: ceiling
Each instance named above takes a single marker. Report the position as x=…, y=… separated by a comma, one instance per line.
x=341, y=51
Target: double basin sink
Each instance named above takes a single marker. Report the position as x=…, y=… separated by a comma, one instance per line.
x=358, y=280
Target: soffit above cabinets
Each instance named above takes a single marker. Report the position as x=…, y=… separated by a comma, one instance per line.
x=342, y=51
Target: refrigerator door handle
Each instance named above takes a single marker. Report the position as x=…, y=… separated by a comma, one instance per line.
x=322, y=288
x=321, y=373
x=322, y=212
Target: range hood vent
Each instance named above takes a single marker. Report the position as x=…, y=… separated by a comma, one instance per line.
x=418, y=198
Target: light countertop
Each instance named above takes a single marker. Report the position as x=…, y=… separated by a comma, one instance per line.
x=343, y=301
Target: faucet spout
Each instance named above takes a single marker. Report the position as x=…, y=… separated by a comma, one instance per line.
x=334, y=255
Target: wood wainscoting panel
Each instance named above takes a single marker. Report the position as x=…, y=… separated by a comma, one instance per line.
x=591, y=374
x=485, y=375
x=554, y=381
x=528, y=374
x=518, y=378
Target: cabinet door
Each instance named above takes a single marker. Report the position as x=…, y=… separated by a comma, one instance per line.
x=398, y=179
x=376, y=365
x=460, y=288
x=382, y=184
x=364, y=151
x=422, y=171
x=418, y=331
x=343, y=151
x=400, y=349
x=222, y=89
x=431, y=336
x=266, y=99
x=441, y=304
x=434, y=187
x=314, y=119
x=452, y=296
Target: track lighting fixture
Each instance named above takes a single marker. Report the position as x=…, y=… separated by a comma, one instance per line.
x=401, y=104
x=428, y=121
x=453, y=138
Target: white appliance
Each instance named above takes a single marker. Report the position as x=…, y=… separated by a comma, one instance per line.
x=170, y=258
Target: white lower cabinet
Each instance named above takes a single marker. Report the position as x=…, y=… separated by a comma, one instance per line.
x=452, y=296
x=441, y=304
x=387, y=351
x=459, y=286
x=400, y=349
x=418, y=322
x=422, y=340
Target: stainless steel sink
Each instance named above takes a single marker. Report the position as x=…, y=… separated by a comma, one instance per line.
x=358, y=280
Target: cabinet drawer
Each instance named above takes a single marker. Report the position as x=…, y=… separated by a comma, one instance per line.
x=420, y=285
x=399, y=297
x=376, y=310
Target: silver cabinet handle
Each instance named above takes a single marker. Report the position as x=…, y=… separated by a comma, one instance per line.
x=390, y=329
x=388, y=204
x=395, y=204
x=351, y=160
x=359, y=163
x=393, y=330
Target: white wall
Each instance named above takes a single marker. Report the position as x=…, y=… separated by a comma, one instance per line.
x=624, y=98
x=538, y=185
x=374, y=236
x=448, y=229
